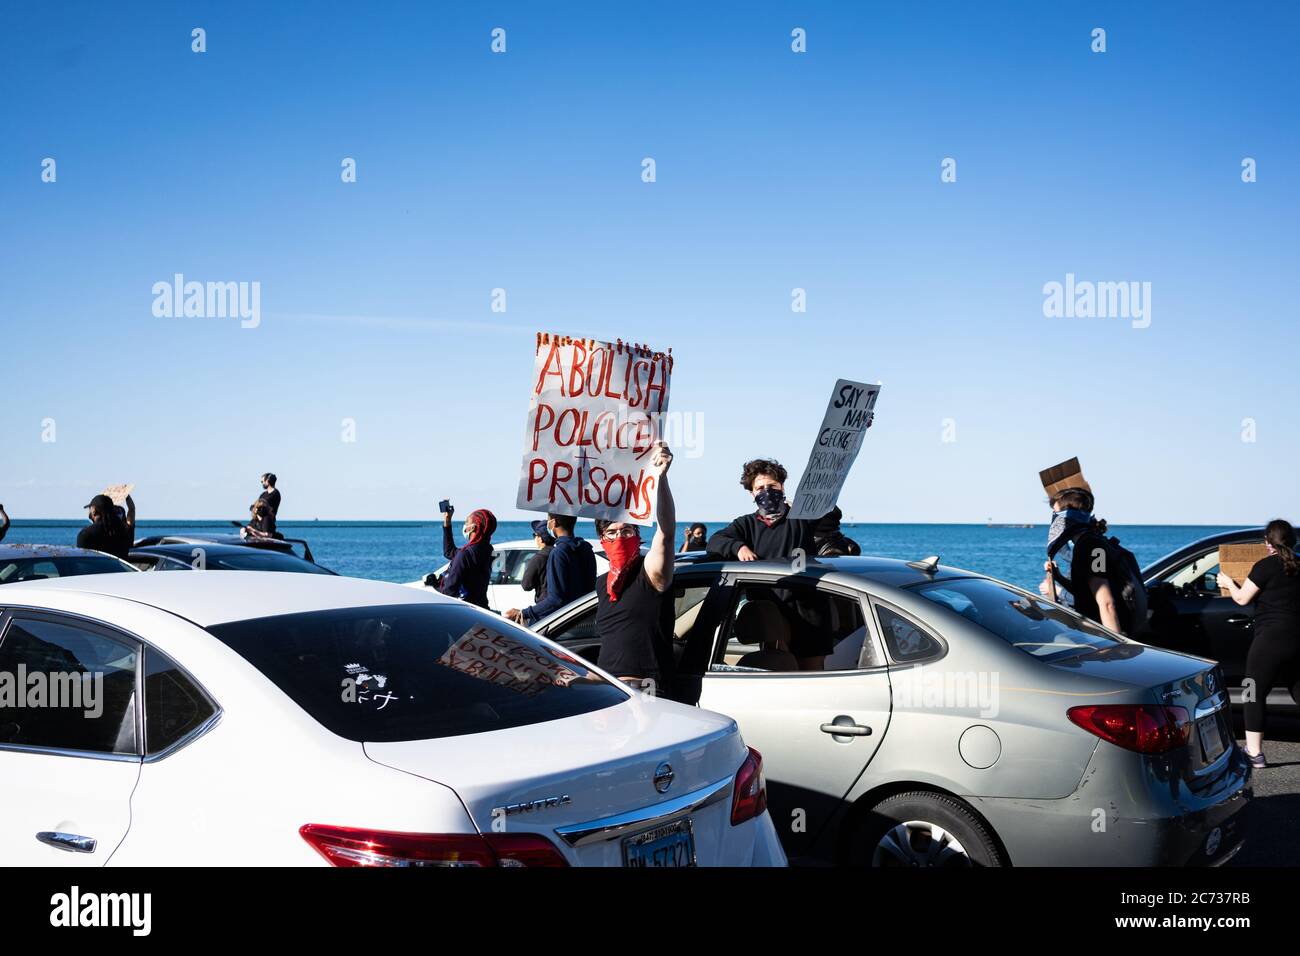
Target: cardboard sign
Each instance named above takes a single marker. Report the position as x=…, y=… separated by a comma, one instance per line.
x=596, y=411
x=838, y=441
x=118, y=493
x=1062, y=477
x=1236, y=560
x=489, y=655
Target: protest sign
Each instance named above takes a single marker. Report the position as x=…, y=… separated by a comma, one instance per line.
x=595, y=414
x=489, y=655
x=1237, y=560
x=1066, y=476
x=118, y=493
x=838, y=441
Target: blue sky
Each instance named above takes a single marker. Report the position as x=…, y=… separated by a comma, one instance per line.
x=775, y=170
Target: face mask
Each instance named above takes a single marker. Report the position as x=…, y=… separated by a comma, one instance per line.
x=770, y=502
x=621, y=553
x=1065, y=524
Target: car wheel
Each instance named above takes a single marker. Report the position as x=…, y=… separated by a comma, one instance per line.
x=924, y=830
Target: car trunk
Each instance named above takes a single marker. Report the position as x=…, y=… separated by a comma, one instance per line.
x=1172, y=680
x=588, y=783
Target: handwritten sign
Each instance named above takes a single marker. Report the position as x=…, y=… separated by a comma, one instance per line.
x=489, y=655
x=596, y=411
x=849, y=413
x=118, y=493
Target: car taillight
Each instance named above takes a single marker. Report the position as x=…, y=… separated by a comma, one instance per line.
x=749, y=795
x=355, y=846
x=1146, y=728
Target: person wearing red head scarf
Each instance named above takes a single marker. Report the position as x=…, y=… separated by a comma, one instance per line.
x=470, y=571
x=634, y=614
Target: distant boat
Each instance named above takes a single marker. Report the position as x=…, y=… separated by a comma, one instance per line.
x=992, y=525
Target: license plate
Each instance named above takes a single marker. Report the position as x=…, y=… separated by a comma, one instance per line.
x=672, y=844
x=1212, y=737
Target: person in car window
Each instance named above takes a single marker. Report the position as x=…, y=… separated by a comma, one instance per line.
x=470, y=571
x=769, y=533
x=634, y=598
x=535, y=571
x=1074, y=539
x=262, y=524
x=570, y=571
x=1274, y=655
x=108, y=530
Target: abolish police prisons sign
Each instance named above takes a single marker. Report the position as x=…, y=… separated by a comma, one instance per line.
x=596, y=411
x=838, y=442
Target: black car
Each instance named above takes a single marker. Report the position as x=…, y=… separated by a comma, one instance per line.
x=210, y=555
x=1189, y=614
x=279, y=544
x=36, y=562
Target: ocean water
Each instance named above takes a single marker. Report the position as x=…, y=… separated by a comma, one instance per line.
x=406, y=550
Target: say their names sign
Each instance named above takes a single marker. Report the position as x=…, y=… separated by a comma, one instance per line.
x=838, y=442
x=596, y=412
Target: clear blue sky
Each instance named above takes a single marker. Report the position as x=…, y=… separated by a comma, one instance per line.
x=775, y=170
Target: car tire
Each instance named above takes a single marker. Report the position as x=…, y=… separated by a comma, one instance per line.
x=921, y=829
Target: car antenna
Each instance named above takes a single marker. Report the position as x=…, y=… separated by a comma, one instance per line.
x=929, y=564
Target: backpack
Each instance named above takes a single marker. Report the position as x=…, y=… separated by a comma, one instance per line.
x=1125, y=579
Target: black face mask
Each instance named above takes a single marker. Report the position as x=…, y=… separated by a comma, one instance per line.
x=770, y=502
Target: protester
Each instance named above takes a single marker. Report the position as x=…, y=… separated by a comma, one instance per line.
x=697, y=538
x=270, y=494
x=769, y=533
x=1076, y=539
x=470, y=571
x=570, y=571
x=4, y=523
x=262, y=524
x=1274, y=655
x=108, y=531
x=635, y=607
x=535, y=571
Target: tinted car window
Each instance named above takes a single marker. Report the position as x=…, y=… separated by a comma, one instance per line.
x=173, y=704
x=1027, y=623
x=416, y=671
x=37, y=569
x=263, y=561
x=87, y=684
x=908, y=643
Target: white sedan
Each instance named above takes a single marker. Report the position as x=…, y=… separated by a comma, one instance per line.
x=258, y=718
x=505, y=586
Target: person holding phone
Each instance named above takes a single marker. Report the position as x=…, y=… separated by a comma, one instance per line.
x=1274, y=655
x=470, y=571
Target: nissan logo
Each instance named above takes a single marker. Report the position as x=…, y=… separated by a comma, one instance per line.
x=664, y=777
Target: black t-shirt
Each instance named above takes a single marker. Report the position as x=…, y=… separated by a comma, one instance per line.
x=272, y=499
x=1278, y=604
x=636, y=630
x=776, y=542
x=96, y=537
x=1088, y=551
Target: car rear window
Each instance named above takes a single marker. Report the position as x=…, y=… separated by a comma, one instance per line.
x=416, y=671
x=1029, y=624
x=263, y=561
x=38, y=569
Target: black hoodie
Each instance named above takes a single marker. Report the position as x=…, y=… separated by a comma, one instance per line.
x=775, y=543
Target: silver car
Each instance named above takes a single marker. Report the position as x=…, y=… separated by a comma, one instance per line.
x=911, y=714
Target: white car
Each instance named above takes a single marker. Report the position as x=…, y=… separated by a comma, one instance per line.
x=505, y=588
x=294, y=719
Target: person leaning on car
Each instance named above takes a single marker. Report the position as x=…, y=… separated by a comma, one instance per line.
x=769, y=533
x=570, y=571
x=108, y=530
x=535, y=571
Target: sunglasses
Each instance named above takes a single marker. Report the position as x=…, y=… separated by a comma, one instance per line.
x=622, y=533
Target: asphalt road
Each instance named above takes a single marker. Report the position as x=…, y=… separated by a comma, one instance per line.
x=1274, y=838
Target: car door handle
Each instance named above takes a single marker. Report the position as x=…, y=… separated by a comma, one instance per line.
x=1241, y=621
x=846, y=730
x=72, y=842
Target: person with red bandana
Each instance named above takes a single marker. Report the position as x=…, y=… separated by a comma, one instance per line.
x=470, y=571
x=634, y=616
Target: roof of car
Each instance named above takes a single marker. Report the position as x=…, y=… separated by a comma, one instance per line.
x=185, y=549
x=11, y=552
x=234, y=540
x=892, y=571
x=211, y=598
